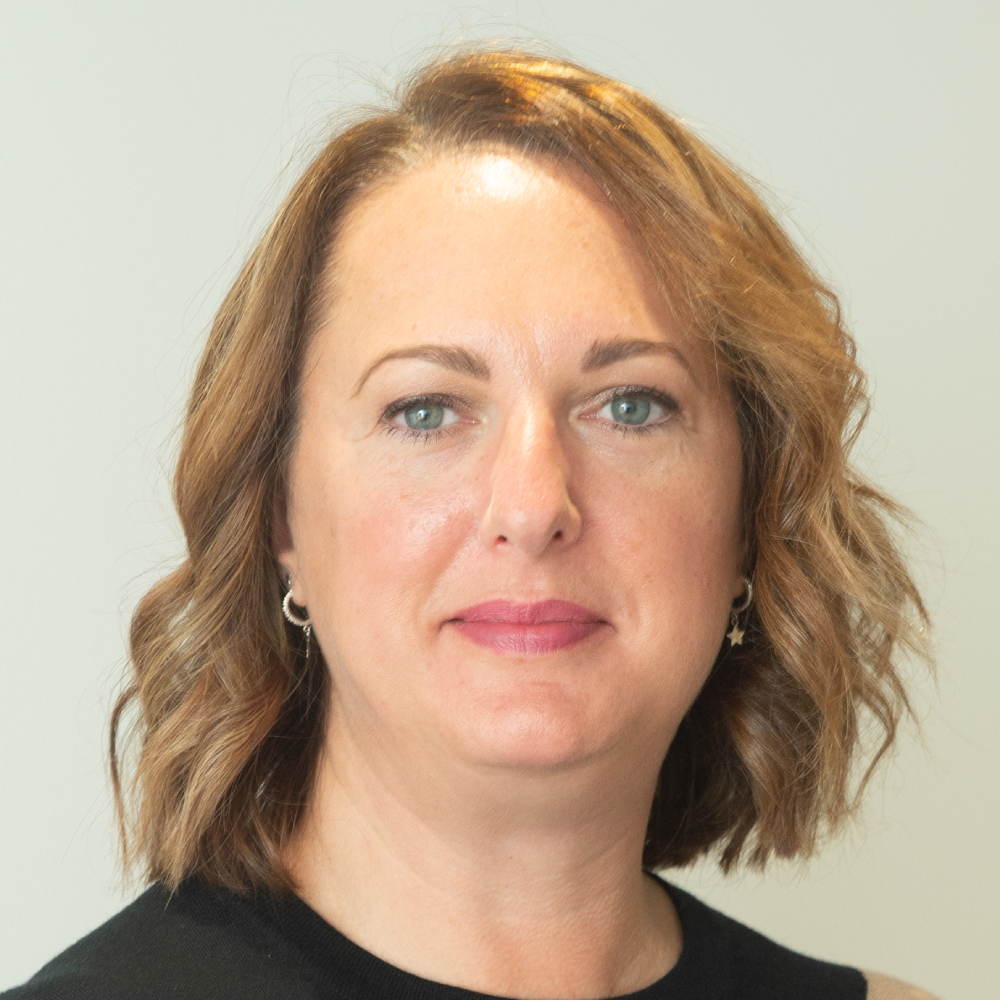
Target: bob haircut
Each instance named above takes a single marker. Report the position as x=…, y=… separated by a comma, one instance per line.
x=229, y=713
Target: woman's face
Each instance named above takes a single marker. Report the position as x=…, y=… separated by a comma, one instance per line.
x=513, y=501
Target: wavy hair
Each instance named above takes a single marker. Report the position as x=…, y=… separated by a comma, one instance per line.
x=226, y=712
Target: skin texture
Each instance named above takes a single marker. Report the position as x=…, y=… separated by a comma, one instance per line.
x=887, y=988
x=501, y=798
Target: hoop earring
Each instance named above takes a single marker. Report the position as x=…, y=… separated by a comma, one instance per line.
x=303, y=623
x=735, y=634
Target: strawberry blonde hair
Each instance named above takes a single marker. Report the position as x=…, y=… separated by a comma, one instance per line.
x=225, y=711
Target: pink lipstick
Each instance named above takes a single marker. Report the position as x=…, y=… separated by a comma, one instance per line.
x=527, y=629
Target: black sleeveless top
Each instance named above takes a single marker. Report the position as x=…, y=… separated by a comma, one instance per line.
x=210, y=944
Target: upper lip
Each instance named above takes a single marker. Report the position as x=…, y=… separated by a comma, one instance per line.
x=537, y=613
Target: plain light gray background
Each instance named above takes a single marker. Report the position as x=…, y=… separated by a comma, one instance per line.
x=143, y=146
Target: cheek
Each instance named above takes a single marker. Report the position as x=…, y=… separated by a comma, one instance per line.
x=379, y=540
x=679, y=525
x=410, y=535
x=672, y=539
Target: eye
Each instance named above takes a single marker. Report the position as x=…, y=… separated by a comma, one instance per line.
x=630, y=409
x=422, y=416
x=637, y=408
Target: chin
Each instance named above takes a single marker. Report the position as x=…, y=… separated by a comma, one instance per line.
x=542, y=731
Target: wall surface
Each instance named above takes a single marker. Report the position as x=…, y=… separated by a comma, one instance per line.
x=143, y=146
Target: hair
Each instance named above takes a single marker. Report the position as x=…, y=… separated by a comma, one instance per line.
x=227, y=712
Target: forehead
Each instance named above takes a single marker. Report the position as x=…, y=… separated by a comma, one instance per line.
x=485, y=245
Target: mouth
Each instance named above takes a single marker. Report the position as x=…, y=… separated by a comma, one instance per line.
x=527, y=629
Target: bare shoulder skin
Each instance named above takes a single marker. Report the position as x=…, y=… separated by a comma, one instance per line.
x=886, y=988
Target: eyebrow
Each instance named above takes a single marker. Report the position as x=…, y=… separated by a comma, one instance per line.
x=458, y=359
x=602, y=353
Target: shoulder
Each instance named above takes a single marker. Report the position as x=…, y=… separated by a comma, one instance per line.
x=196, y=943
x=750, y=966
x=886, y=988
x=757, y=967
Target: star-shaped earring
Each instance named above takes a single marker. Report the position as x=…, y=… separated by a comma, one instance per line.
x=735, y=634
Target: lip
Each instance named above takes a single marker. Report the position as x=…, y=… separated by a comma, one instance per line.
x=526, y=629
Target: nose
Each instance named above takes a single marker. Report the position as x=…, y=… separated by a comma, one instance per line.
x=530, y=510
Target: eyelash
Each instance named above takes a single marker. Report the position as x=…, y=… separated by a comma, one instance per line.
x=411, y=433
x=662, y=399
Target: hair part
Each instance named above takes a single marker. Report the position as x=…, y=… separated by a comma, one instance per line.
x=227, y=713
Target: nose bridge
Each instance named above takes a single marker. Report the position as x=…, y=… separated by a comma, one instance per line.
x=530, y=507
x=531, y=433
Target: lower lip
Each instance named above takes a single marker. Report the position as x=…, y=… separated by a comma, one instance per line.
x=526, y=640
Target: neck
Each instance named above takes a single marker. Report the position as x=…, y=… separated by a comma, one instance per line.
x=523, y=883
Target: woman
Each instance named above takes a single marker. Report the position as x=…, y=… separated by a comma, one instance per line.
x=524, y=559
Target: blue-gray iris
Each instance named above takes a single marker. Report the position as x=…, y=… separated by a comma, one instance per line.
x=425, y=417
x=630, y=409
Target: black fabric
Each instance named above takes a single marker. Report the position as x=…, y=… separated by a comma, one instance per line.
x=209, y=944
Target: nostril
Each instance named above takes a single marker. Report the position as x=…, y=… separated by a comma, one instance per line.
x=501, y=538
x=558, y=534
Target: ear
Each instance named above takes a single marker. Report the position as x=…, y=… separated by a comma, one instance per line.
x=284, y=548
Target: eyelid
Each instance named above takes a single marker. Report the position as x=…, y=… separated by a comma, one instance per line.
x=665, y=399
x=455, y=403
